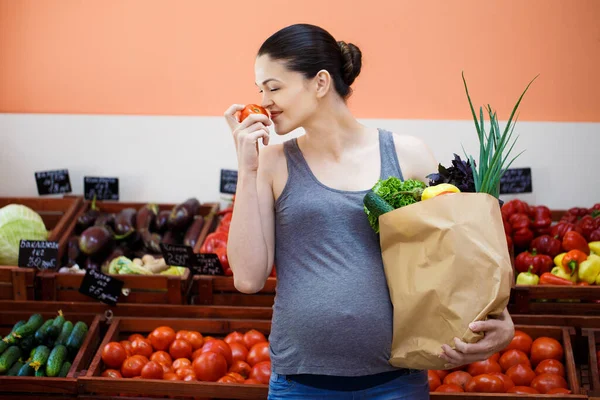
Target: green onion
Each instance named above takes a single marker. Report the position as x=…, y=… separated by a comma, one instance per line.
x=493, y=153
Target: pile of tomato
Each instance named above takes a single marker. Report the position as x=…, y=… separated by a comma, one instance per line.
x=189, y=356
x=526, y=366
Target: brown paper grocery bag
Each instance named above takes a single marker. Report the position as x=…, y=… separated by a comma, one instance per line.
x=447, y=264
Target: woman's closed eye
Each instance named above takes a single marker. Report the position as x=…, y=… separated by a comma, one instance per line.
x=270, y=90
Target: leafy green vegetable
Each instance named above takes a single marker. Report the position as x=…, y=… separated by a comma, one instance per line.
x=397, y=193
x=18, y=222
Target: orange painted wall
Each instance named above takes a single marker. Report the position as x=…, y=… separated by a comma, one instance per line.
x=195, y=57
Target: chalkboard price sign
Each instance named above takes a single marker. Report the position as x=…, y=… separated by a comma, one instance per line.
x=38, y=254
x=228, y=181
x=101, y=287
x=177, y=255
x=515, y=181
x=53, y=182
x=207, y=264
x=101, y=188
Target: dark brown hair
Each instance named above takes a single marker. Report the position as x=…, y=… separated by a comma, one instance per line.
x=309, y=49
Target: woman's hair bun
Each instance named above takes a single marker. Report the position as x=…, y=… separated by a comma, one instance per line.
x=351, y=61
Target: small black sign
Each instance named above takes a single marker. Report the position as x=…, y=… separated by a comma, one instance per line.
x=102, y=188
x=516, y=180
x=207, y=264
x=101, y=287
x=177, y=255
x=38, y=254
x=53, y=182
x=228, y=181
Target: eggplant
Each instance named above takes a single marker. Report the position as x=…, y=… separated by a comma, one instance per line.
x=146, y=217
x=93, y=264
x=125, y=221
x=170, y=237
x=95, y=241
x=74, y=254
x=151, y=241
x=183, y=214
x=105, y=219
x=191, y=235
x=86, y=220
x=162, y=221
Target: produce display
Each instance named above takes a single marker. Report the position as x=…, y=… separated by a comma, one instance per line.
x=566, y=253
x=526, y=366
x=18, y=222
x=41, y=348
x=128, y=242
x=165, y=354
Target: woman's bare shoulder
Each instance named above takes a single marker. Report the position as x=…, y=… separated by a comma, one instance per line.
x=415, y=157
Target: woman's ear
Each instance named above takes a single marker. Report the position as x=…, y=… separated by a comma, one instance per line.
x=322, y=83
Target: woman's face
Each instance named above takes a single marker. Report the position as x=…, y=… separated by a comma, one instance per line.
x=288, y=95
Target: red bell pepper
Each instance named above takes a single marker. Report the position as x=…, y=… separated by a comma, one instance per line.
x=587, y=225
x=542, y=263
x=595, y=236
x=559, y=230
x=569, y=218
x=572, y=259
x=214, y=241
x=519, y=221
x=523, y=261
x=541, y=211
x=537, y=263
x=578, y=211
x=507, y=227
x=550, y=279
x=546, y=244
x=522, y=238
x=513, y=207
x=574, y=241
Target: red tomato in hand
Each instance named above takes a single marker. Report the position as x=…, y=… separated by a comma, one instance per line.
x=506, y=381
x=434, y=380
x=543, y=383
x=546, y=348
x=113, y=355
x=521, y=341
x=513, y=357
x=252, y=337
x=235, y=337
x=485, y=383
x=239, y=352
x=261, y=372
x=162, y=337
x=152, y=370
x=523, y=390
x=220, y=347
x=252, y=109
x=520, y=374
x=180, y=349
x=449, y=389
x=111, y=373
x=162, y=357
x=242, y=368
x=259, y=353
x=210, y=366
x=483, y=367
x=550, y=367
x=133, y=366
x=142, y=347
x=458, y=378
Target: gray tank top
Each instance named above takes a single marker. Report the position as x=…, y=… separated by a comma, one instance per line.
x=332, y=313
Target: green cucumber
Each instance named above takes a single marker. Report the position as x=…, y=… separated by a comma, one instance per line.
x=56, y=327
x=67, y=328
x=14, y=370
x=4, y=343
x=32, y=325
x=76, y=338
x=64, y=370
x=40, y=372
x=27, y=344
x=26, y=370
x=31, y=354
x=376, y=204
x=17, y=325
x=40, y=357
x=8, y=358
x=55, y=361
x=40, y=334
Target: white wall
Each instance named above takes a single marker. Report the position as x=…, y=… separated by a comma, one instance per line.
x=168, y=159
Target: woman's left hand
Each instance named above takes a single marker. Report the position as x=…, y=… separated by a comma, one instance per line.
x=498, y=334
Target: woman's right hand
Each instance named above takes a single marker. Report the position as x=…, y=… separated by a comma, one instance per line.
x=246, y=135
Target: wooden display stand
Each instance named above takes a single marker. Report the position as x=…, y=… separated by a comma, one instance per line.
x=553, y=300
x=593, y=338
x=220, y=291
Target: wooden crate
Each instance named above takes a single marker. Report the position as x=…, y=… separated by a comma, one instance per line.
x=563, y=335
x=121, y=327
x=593, y=338
x=57, y=214
x=552, y=300
x=220, y=291
x=155, y=289
x=22, y=387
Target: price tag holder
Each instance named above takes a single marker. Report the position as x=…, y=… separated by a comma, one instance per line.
x=38, y=254
x=178, y=255
x=207, y=264
x=101, y=287
x=102, y=188
x=515, y=181
x=53, y=182
x=228, y=181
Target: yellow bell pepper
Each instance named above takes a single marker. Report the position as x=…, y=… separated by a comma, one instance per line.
x=559, y=271
x=589, y=269
x=558, y=259
x=432, y=191
x=595, y=247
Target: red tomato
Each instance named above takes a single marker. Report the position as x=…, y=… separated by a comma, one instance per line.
x=523, y=390
x=434, y=380
x=181, y=363
x=132, y=366
x=261, y=372
x=162, y=337
x=252, y=382
x=544, y=382
x=483, y=367
x=458, y=378
x=185, y=371
x=520, y=374
x=558, y=391
x=189, y=378
x=252, y=337
x=141, y=347
x=239, y=352
x=235, y=337
x=127, y=346
x=550, y=367
x=227, y=379
x=166, y=368
x=181, y=334
x=111, y=373
x=441, y=373
x=485, y=383
x=113, y=355
x=242, y=368
x=239, y=378
x=546, y=348
x=162, y=357
x=195, y=339
x=513, y=357
x=219, y=346
x=170, y=376
x=210, y=366
x=152, y=370
x=449, y=389
x=495, y=357
x=135, y=336
x=259, y=353
x=180, y=349
x=252, y=109
x=521, y=341
x=508, y=383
